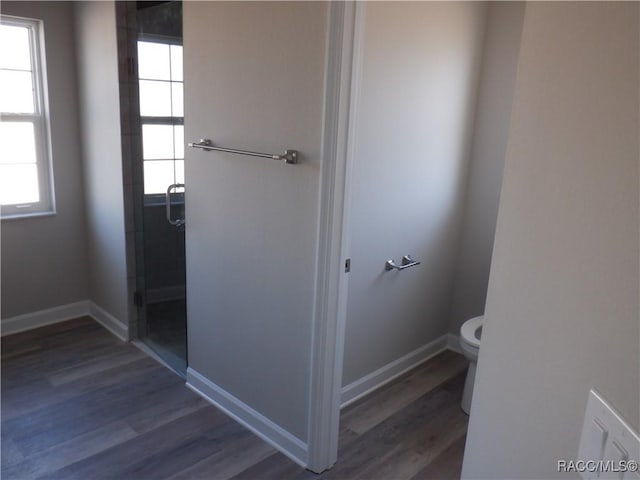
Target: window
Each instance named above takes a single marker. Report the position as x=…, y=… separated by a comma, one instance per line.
x=161, y=114
x=25, y=167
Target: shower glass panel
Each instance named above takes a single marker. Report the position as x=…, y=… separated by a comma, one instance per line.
x=162, y=319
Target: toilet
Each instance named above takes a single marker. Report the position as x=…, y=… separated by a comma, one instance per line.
x=470, y=334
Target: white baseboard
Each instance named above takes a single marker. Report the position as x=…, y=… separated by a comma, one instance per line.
x=453, y=343
x=270, y=432
x=374, y=380
x=108, y=321
x=62, y=313
x=29, y=321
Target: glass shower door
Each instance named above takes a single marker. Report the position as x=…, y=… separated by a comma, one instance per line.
x=162, y=317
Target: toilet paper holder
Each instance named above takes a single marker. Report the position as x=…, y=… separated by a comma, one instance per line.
x=407, y=262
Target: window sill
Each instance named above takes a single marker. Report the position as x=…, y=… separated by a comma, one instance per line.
x=162, y=205
x=159, y=200
x=21, y=216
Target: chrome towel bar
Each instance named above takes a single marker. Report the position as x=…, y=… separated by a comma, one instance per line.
x=407, y=262
x=289, y=156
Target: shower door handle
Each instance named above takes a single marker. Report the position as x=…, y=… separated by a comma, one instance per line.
x=180, y=221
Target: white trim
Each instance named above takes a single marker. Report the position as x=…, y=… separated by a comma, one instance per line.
x=331, y=283
x=62, y=313
x=270, y=432
x=108, y=321
x=40, y=119
x=453, y=343
x=49, y=316
x=392, y=370
x=28, y=215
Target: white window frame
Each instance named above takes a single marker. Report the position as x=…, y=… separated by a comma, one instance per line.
x=41, y=124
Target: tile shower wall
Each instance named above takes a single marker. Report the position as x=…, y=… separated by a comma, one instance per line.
x=131, y=151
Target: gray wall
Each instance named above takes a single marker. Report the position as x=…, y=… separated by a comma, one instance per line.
x=491, y=129
x=562, y=306
x=95, y=24
x=254, y=76
x=44, y=260
x=414, y=115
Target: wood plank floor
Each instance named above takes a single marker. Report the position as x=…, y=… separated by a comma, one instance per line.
x=79, y=404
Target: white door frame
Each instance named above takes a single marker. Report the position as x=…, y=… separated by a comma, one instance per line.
x=343, y=65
